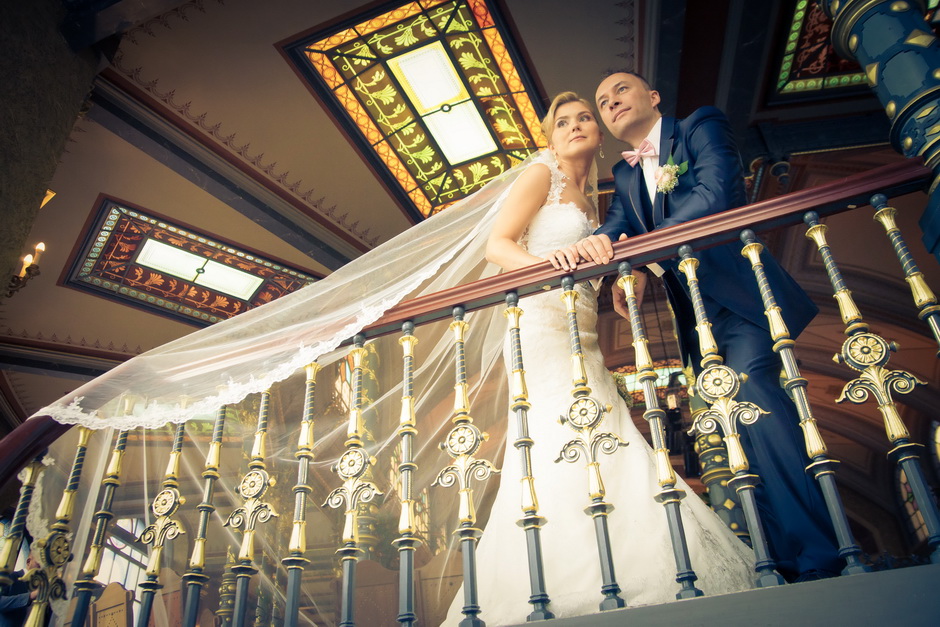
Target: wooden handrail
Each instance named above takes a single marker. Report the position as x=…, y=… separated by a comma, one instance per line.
x=892, y=180
x=31, y=437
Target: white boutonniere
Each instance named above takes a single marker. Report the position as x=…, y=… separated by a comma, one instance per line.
x=667, y=176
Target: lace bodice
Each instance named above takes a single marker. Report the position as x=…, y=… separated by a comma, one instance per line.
x=558, y=223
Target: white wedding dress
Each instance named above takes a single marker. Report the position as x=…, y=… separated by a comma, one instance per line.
x=644, y=563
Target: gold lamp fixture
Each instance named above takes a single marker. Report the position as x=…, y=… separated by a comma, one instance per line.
x=28, y=270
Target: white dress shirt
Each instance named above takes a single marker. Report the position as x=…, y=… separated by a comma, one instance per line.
x=650, y=164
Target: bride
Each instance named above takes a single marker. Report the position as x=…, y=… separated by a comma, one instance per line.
x=546, y=211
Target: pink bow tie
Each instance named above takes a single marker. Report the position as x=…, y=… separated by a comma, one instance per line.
x=646, y=149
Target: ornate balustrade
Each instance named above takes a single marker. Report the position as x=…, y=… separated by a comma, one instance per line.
x=377, y=531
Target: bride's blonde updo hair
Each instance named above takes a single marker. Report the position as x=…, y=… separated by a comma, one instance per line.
x=561, y=99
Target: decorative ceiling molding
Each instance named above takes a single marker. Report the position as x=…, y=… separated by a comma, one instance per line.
x=226, y=140
x=630, y=24
x=165, y=20
x=132, y=115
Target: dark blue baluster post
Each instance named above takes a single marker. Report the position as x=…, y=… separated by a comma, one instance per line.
x=407, y=541
x=924, y=298
x=163, y=528
x=296, y=560
x=195, y=577
x=13, y=538
x=86, y=584
x=584, y=417
x=669, y=495
x=351, y=468
x=254, y=485
x=461, y=443
x=55, y=549
x=531, y=521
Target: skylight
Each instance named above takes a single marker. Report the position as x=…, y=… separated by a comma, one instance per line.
x=198, y=270
x=431, y=92
x=145, y=260
x=430, y=81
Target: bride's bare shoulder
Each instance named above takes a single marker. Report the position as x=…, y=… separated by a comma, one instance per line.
x=536, y=176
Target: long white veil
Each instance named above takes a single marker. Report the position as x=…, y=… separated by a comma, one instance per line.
x=231, y=363
x=196, y=374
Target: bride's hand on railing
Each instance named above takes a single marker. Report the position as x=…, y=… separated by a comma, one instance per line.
x=564, y=258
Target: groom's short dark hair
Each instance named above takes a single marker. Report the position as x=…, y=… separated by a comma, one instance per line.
x=642, y=78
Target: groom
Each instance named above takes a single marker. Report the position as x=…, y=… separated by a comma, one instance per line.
x=792, y=508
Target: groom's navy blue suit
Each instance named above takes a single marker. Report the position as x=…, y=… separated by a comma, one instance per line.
x=792, y=508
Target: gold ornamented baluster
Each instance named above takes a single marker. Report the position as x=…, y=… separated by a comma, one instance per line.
x=924, y=298
x=13, y=538
x=351, y=467
x=669, y=495
x=86, y=583
x=407, y=541
x=461, y=443
x=163, y=528
x=821, y=465
x=585, y=416
x=531, y=521
x=252, y=488
x=55, y=550
x=297, y=547
x=195, y=577
x=717, y=385
x=868, y=353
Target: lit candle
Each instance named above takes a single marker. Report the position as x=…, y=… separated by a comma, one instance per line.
x=40, y=248
x=27, y=261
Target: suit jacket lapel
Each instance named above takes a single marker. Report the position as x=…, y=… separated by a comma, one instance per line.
x=636, y=196
x=665, y=149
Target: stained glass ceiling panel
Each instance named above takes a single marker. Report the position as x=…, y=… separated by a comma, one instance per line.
x=431, y=92
x=143, y=259
x=809, y=65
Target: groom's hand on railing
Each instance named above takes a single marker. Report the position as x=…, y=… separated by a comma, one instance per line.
x=597, y=248
x=619, y=296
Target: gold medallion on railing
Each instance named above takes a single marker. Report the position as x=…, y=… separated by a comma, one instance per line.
x=585, y=413
x=463, y=439
x=352, y=464
x=254, y=484
x=718, y=381
x=166, y=502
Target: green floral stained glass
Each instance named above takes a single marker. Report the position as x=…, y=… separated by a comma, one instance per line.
x=432, y=92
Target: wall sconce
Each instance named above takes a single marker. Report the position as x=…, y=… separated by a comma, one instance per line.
x=29, y=269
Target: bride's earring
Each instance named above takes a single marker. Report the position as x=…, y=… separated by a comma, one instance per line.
x=601, y=151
